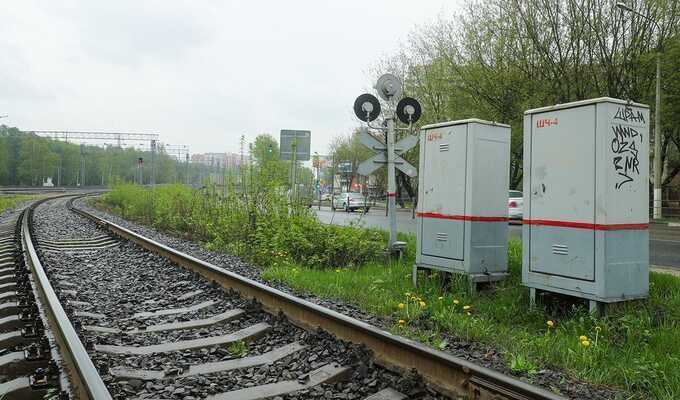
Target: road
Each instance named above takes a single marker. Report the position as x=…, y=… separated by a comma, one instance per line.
x=664, y=241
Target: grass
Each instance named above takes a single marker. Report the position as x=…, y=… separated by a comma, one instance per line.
x=635, y=347
x=11, y=201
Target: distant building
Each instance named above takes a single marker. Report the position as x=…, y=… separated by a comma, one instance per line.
x=228, y=160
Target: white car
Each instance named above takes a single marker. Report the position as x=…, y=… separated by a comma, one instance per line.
x=515, y=205
x=350, y=201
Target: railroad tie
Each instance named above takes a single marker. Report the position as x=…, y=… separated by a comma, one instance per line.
x=189, y=295
x=11, y=322
x=8, y=287
x=12, y=339
x=248, y=333
x=171, y=311
x=8, y=308
x=15, y=363
x=387, y=394
x=20, y=388
x=196, y=323
x=329, y=373
x=267, y=358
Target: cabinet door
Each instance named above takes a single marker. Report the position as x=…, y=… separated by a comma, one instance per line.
x=443, y=203
x=562, y=191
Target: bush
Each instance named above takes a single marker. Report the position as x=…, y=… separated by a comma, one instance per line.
x=260, y=226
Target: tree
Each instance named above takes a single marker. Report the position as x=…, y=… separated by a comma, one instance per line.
x=265, y=148
x=670, y=72
x=27, y=159
x=499, y=58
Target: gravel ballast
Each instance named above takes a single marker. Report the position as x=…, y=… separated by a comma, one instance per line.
x=107, y=287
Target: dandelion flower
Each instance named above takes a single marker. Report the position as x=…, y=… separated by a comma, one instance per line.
x=456, y=302
x=585, y=343
x=407, y=294
x=401, y=306
x=550, y=324
x=402, y=322
x=422, y=304
x=583, y=338
x=441, y=297
x=337, y=270
x=468, y=313
x=466, y=308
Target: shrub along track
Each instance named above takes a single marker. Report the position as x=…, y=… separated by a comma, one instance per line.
x=153, y=329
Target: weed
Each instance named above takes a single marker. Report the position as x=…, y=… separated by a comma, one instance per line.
x=261, y=228
x=519, y=363
x=238, y=349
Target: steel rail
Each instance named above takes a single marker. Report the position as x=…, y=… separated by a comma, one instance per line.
x=84, y=377
x=448, y=374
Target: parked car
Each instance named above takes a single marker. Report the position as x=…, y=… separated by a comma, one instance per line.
x=326, y=197
x=515, y=205
x=350, y=201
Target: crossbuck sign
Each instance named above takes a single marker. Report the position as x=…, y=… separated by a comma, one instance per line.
x=372, y=164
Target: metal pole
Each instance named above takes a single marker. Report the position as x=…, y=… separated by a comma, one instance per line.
x=391, y=181
x=153, y=164
x=82, y=165
x=657, y=206
x=332, y=180
x=293, y=178
x=187, y=168
x=318, y=178
x=59, y=171
x=657, y=141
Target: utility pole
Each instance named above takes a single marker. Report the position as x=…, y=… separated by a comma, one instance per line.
x=332, y=180
x=59, y=171
x=240, y=166
x=391, y=178
x=293, y=179
x=152, y=179
x=82, y=165
x=140, y=171
x=658, y=170
x=187, y=168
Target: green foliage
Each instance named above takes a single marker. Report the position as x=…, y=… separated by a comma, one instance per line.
x=11, y=201
x=520, y=364
x=28, y=160
x=635, y=346
x=259, y=225
x=496, y=58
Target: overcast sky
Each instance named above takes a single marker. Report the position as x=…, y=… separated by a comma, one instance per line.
x=199, y=73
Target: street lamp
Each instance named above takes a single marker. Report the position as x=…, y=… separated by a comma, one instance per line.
x=657, y=113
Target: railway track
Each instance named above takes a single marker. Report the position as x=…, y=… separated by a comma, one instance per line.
x=133, y=318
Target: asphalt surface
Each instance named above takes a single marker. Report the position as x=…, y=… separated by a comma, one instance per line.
x=664, y=241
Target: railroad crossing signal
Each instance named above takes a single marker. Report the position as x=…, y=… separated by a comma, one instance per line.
x=372, y=164
x=367, y=108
